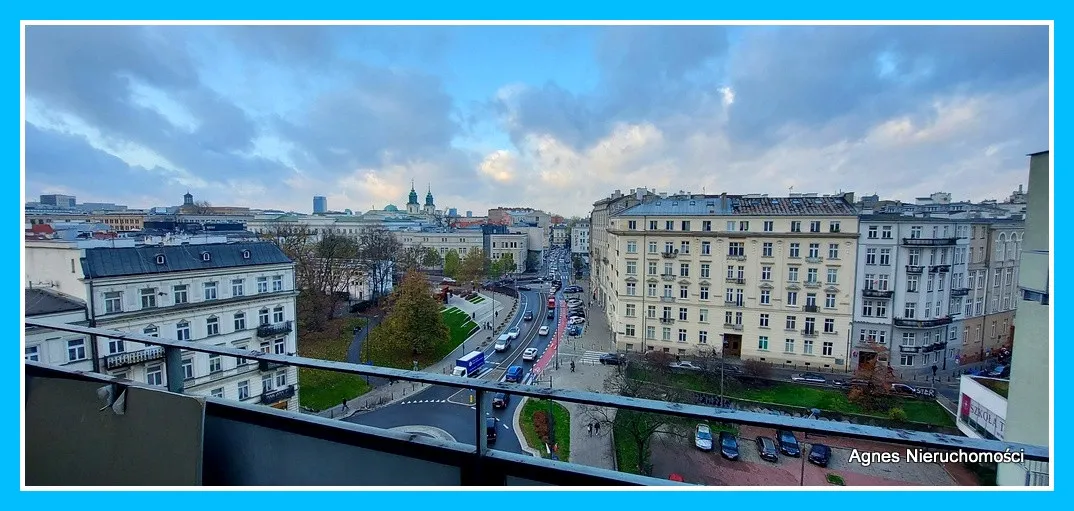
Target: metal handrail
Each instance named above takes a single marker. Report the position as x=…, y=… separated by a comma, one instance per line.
x=805, y=425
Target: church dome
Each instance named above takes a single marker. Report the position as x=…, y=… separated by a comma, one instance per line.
x=391, y=207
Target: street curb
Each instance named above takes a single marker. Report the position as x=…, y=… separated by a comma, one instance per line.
x=516, y=421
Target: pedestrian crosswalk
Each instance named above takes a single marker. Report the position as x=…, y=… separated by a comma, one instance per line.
x=420, y=401
x=592, y=357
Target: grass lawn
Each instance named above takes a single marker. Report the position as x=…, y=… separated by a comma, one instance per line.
x=562, y=423
x=320, y=390
x=461, y=327
x=626, y=450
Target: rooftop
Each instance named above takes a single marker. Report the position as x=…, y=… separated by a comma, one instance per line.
x=116, y=262
x=999, y=386
x=46, y=301
x=737, y=205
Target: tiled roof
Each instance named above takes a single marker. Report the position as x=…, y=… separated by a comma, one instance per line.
x=733, y=205
x=45, y=301
x=115, y=262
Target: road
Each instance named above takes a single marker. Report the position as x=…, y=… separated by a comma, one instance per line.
x=452, y=410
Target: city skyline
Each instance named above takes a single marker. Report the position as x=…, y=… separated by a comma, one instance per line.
x=548, y=117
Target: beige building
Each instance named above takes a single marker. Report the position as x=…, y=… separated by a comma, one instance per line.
x=599, y=280
x=770, y=277
x=991, y=287
x=495, y=245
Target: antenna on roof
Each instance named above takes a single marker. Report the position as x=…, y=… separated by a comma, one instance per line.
x=790, y=189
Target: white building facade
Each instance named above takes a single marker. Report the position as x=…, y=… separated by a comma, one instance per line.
x=580, y=239
x=238, y=295
x=54, y=347
x=982, y=407
x=906, y=314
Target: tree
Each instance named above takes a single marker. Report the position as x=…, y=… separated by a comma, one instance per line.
x=502, y=266
x=452, y=263
x=378, y=253
x=871, y=387
x=413, y=329
x=431, y=258
x=410, y=258
x=639, y=427
x=472, y=267
x=576, y=260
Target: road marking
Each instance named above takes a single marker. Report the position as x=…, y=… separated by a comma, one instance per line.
x=592, y=357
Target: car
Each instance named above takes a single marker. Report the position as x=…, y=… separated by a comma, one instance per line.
x=551, y=313
x=514, y=374
x=1001, y=371
x=513, y=332
x=575, y=314
x=685, y=365
x=524, y=288
x=728, y=446
x=809, y=378
x=490, y=429
x=677, y=478
x=528, y=316
x=703, y=437
x=788, y=444
x=543, y=330
x=500, y=400
x=571, y=290
x=574, y=330
x=611, y=359
x=766, y=449
x=820, y=455
x=571, y=302
x=503, y=343
x=529, y=355
x=576, y=321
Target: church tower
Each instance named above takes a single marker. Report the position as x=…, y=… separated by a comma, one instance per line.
x=430, y=207
x=412, y=205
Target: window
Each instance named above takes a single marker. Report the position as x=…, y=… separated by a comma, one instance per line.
x=632, y=225
x=762, y=343
x=182, y=331
x=667, y=291
x=791, y=322
x=704, y=292
x=115, y=346
x=278, y=347
x=729, y=295
x=833, y=275
x=811, y=275
x=763, y=321
x=650, y=332
x=766, y=297
x=930, y=283
x=188, y=369
x=766, y=249
x=683, y=313
x=629, y=331
x=807, y=346
x=652, y=268
x=912, y=283
x=151, y=330
x=240, y=321
x=212, y=326
x=814, y=250
x=706, y=225
x=792, y=298
x=266, y=383
x=237, y=286
x=829, y=326
x=796, y=226
x=814, y=226
x=811, y=299
x=996, y=277
x=179, y=294
x=216, y=364
x=872, y=232
x=736, y=249
x=730, y=271
x=154, y=374
x=795, y=250
x=652, y=225
x=914, y=257
x=702, y=337
x=885, y=257
x=810, y=325
x=833, y=226
x=788, y=346
x=149, y=298
x=743, y=225
x=706, y=248
x=867, y=308
x=833, y=251
x=669, y=247
x=669, y=225
x=652, y=290
x=632, y=268
x=631, y=289
x=632, y=247
x=915, y=232
x=684, y=269
x=870, y=256
x=631, y=310
x=652, y=247
x=704, y=270
x=768, y=225
x=886, y=234
x=882, y=282
x=684, y=292
x=262, y=284
x=826, y=348
x=277, y=283
x=906, y=360
x=829, y=300
x=665, y=313
x=766, y=273
x=792, y=274
x=665, y=333
x=263, y=317
x=703, y=315
x=281, y=379
x=910, y=310
x=682, y=335
x=730, y=225
x=218, y=393
x=76, y=350
x=210, y=290
x=684, y=247
x=113, y=302
x=244, y=390
x=32, y=353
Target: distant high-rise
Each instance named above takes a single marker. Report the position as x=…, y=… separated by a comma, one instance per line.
x=452, y=212
x=469, y=214
x=320, y=204
x=60, y=201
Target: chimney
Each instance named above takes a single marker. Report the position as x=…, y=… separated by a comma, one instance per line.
x=723, y=201
x=640, y=193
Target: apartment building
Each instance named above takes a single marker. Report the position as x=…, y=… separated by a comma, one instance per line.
x=496, y=241
x=52, y=346
x=580, y=239
x=601, y=285
x=560, y=235
x=751, y=277
x=240, y=295
x=911, y=272
x=991, y=287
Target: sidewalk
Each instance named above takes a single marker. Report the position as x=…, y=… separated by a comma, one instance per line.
x=388, y=393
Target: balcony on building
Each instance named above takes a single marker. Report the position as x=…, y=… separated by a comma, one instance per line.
x=809, y=333
x=814, y=260
x=929, y=242
x=738, y=257
x=960, y=291
x=812, y=284
x=129, y=358
x=670, y=254
x=668, y=299
x=734, y=303
x=922, y=323
x=914, y=268
x=733, y=326
x=732, y=280
x=909, y=349
x=275, y=396
x=940, y=268
x=810, y=308
x=668, y=276
x=274, y=329
x=667, y=320
x=876, y=293
x=94, y=430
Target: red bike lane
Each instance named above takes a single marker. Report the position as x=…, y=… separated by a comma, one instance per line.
x=550, y=351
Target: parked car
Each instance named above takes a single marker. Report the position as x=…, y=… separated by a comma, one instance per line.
x=575, y=314
x=766, y=449
x=809, y=378
x=576, y=321
x=514, y=374
x=1001, y=371
x=513, y=332
x=685, y=365
x=728, y=446
x=820, y=455
x=490, y=429
x=574, y=330
x=574, y=302
x=525, y=288
x=528, y=316
x=500, y=400
x=788, y=444
x=703, y=437
x=677, y=478
x=529, y=355
x=611, y=359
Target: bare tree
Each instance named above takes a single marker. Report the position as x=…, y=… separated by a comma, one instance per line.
x=378, y=255
x=871, y=386
x=410, y=258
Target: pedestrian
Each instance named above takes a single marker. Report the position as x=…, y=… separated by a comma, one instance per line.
x=589, y=428
x=344, y=404
x=596, y=428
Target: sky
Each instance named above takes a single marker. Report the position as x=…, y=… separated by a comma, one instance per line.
x=553, y=118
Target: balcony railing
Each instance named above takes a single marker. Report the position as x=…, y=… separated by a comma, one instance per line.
x=275, y=396
x=914, y=268
x=129, y=358
x=936, y=346
x=812, y=284
x=273, y=329
x=809, y=308
x=929, y=242
x=733, y=326
x=669, y=255
x=940, y=268
x=217, y=434
x=736, y=257
x=668, y=276
x=809, y=333
x=960, y=291
x=909, y=349
x=667, y=321
x=876, y=293
x=733, y=280
x=813, y=260
x=734, y=303
x=667, y=299
x=922, y=323
x=265, y=365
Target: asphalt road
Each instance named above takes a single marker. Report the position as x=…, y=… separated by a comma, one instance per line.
x=451, y=409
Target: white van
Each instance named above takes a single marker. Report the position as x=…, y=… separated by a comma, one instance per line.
x=503, y=343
